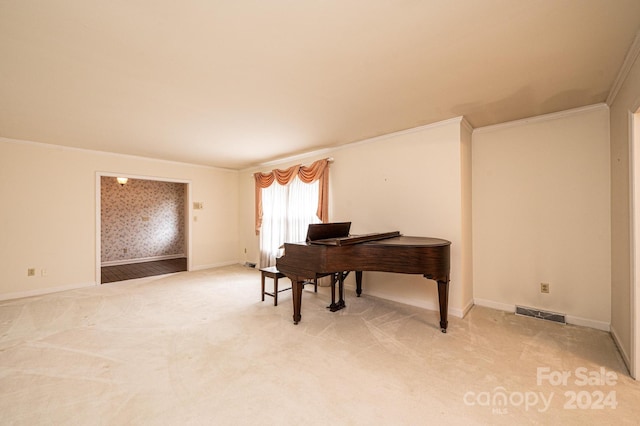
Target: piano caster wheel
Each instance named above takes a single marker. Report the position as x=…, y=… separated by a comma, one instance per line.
x=444, y=330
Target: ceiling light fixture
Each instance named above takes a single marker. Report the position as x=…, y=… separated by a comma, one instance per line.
x=122, y=180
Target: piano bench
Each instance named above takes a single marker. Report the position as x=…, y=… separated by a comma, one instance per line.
x=273, y=273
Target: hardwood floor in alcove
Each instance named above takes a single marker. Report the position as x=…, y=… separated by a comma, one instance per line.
x=131, y=271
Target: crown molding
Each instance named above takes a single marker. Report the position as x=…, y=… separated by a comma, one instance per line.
x=324, y=151
x=455, y=120
x=107, y=153
x=623, y=73
x=466, y=125
x=291, y=158
x=540, y=118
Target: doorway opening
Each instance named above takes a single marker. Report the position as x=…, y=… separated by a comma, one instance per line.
x=142, y=228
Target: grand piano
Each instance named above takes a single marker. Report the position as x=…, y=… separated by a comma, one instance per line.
x=330, y=251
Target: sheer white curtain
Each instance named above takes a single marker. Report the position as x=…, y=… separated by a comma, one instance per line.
x=287, y=212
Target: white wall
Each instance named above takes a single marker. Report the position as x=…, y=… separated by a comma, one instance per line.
x=626, y=102
x=412, y=182
x=541, y=213
x=48, y=214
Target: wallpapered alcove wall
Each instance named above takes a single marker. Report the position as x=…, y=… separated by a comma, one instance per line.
x=143, y=219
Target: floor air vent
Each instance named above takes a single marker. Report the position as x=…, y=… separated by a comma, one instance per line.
x=537, y=313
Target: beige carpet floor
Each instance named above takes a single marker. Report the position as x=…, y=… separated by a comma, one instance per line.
x=200, y=348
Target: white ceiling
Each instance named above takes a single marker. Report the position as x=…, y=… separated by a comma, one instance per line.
x=234, y=83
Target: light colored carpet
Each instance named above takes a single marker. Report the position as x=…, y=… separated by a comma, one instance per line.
x=200, y=348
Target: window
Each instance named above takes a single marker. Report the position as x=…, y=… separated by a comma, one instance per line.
x=287, y=212
x=287, y=201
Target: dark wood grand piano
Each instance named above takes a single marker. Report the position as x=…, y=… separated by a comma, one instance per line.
x=329, y=251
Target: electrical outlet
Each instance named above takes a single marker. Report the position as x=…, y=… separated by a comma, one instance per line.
x=31, y=272
x=544, y=287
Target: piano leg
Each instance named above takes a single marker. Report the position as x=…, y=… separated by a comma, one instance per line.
x=443, y=296
x=333, y=306
x=358, y=283
x=296, y=288
x=340, y=276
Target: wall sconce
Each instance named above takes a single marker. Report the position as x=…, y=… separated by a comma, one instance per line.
x=122, y=181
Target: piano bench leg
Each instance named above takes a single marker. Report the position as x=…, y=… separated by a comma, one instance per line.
x=275, y=291
x=274, y=275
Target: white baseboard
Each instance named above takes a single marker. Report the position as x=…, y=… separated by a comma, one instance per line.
x=625, y=356
x=465, y=310
x=142, y=259
x=43, y=291
x=586, y=322
x=495, y=305
x=571, y=319
x=424, y=304
x=213, y=265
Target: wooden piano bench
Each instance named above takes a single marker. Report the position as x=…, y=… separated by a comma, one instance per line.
x=273, y=273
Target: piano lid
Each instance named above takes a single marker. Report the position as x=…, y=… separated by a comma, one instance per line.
x=356, y=239
x=324, y=231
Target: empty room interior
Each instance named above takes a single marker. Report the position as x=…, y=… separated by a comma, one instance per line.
x=157, y=157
